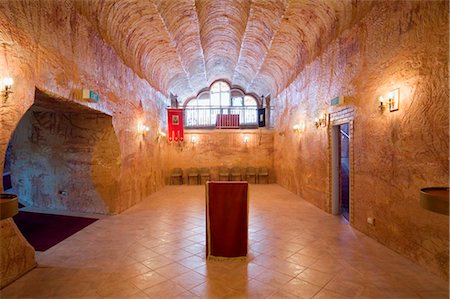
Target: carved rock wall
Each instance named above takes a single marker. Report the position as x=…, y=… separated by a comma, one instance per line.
x=66, y=161
x=217, y=148
x=401, y=44
x=16, y=255
x=46, y=44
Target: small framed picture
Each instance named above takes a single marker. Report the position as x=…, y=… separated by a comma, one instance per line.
x=175, y=120
x=394, y=99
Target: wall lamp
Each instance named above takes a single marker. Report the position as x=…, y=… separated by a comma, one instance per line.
x=299, y=128
x=7, y=86
x=160, y=135
x=194, y=139
x=246, y=139
x=322, y=121
x=393, y=99
x=142, y=129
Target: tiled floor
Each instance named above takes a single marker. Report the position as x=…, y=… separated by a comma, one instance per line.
x=156, y=250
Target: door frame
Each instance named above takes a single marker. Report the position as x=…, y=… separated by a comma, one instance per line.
x=336, y=119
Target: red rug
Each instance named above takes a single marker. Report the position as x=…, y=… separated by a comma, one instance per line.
x=46, y=230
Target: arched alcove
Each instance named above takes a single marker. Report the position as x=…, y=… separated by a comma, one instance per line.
x=64, y=156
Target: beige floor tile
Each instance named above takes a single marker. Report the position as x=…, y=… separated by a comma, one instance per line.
x=172, y=270
x=155, y=248
x=157, y=262
x=192, y=262
x=315, y=277
x=274, y=278
x=301, y=288
x=326, y=294
x=124, y=289
x=213, y=289
x=302, y=260
x=189, y=280
x=147, y=280
x=165, y=289
x=283, y=295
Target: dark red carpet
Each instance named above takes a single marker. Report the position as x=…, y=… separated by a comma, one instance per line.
x=46, y=230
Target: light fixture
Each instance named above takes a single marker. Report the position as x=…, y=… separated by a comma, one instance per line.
x=393, y=99
x=194, y=139
x=392, y=102
x=160, y=135
x=142, y=129
x=7, y=83
x=299, y=128
x=382, y=103
x=322, y=121
x=246, y=139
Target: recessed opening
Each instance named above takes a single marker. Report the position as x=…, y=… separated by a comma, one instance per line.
x=340, y=160
x=63, y=156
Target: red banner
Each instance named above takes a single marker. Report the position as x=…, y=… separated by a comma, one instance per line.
x=175, y=120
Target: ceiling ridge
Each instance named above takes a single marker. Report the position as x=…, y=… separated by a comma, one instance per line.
x=242, y=42
x=236, y=64
x=201, y=44
x=249, y=86
x=175, y=47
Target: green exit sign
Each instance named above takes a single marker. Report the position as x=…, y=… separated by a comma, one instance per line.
x=93, y=96
x=338, y=101
x=87, y=95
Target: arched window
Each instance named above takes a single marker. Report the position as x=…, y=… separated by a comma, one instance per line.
x=202, y=111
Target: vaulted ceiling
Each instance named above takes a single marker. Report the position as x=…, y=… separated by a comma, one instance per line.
x=182, y=46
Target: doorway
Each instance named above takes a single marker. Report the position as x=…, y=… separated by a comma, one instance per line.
x=340, y=160
x=63, y=156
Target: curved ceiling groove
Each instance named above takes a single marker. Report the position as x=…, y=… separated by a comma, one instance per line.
x=180, y=18
x=222, y=27
x=306, y=28
x=182, y=46
x=135, y=30
x=264, y=21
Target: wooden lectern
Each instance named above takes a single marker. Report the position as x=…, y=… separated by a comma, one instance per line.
x=226, y=219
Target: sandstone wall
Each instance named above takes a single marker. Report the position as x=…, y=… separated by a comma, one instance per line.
x=216, y=148
x=66, y=161
x=401, y=44
x=16, y=255
x=46, y=44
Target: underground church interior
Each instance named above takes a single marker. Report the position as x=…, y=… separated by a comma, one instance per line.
x=224, y=149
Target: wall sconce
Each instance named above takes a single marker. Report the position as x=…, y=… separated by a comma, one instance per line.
x=194, y=139
x=142, y=129
x=160, y=135
x=299, y=128
x=382, y=103
x=7, y=85
x=246, y=139
x=393, y=99
x=322, y=121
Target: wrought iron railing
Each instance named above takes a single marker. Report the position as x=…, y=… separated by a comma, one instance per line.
x=205, y=117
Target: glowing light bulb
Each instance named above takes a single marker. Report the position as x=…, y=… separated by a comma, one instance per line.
x=8, y=82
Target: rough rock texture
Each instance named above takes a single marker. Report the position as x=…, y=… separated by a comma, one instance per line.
x=178, y=45
x=216, y=148
x=66, y=159
x=16, y=255
x=401, y=44
x=48, y=45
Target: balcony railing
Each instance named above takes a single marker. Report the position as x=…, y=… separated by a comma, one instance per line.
x=205, y=117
